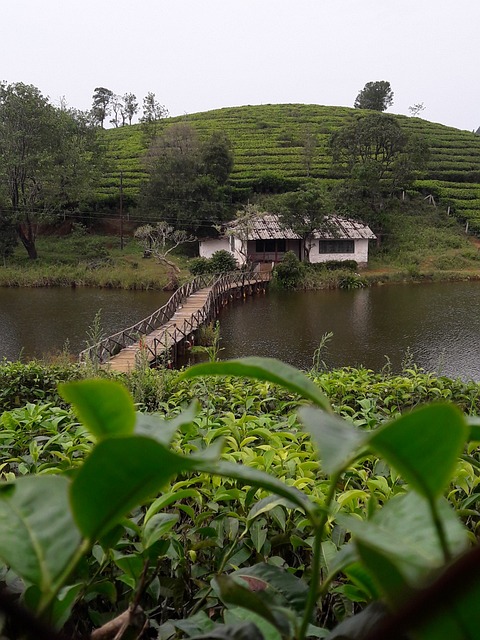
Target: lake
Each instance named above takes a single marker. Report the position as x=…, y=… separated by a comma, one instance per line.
x=39, y=321
x=438, y=323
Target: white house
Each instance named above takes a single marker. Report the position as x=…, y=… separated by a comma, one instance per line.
x=267, y=241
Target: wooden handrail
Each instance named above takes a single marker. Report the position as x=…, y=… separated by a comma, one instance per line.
x=110, y=346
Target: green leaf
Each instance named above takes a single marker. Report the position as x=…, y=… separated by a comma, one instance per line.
x=267, y=504
x=267, y=369
x=240, y=631
x=130, y=564
x=64, y=603
x=404, y=534
x=231, y=592
x=105, y=407
x=167, y=499
x=328, y=554
x=336, y=440
x=238, y=614
x=164, y=430
x=157, y=526
x=38, y=537
x=385, y=573
x=424, y=446
x=120, y=474
x=283, y=587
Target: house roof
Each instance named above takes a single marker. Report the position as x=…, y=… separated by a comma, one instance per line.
x=268, y=227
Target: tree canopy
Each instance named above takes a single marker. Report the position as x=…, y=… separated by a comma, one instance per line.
x=186, y=185
x=306, y=211
x=375, y=95
x=48, y=159
x=378, y=158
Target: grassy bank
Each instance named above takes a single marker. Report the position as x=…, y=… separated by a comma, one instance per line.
x=419, y=245
x=93, y=261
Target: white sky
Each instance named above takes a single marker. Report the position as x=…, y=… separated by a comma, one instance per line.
x=197, y=55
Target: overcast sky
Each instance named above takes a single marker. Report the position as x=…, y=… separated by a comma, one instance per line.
x=197, y=55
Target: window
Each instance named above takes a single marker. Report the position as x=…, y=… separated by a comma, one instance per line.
x=270, y=246
x=336, y=246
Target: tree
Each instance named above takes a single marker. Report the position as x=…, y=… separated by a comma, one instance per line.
x=306, y=212
x=102, y=99
x=375, y=95
x=47, y=158
x=116, y=108
x=152, y=113
x=161, y=240
x=217, y=156
x=130, y=107
x=416, y=109
x=186, y=184
x=378, y=159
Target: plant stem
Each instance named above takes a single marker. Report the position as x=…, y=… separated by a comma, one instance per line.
x=439, y=526
x=317, y=547
x=47, y=599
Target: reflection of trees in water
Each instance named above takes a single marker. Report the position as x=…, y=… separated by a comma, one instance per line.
x=438, y=323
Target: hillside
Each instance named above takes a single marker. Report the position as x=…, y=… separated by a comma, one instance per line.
x=268, y=142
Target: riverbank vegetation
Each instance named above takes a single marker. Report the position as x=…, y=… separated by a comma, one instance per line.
x=237, y=541
x=423, y=244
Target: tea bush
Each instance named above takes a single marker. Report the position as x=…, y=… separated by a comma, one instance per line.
x=282, y=533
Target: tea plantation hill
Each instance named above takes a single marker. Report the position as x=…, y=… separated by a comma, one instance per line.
x=269, y=145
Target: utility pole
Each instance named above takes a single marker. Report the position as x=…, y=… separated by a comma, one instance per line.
x=121, y=210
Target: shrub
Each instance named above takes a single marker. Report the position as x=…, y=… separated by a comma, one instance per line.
x=199, y=266
x=334, y=265
x=289, y=273
x=352, y=281
x=222, y=262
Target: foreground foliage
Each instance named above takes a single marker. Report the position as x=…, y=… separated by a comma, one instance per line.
x=221, y=522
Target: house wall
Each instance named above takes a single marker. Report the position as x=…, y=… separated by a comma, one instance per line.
x=360, y=253
x=233, y=245
x=208, y=247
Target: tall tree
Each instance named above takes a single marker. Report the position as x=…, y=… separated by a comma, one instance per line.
x=102, y=99
x=116, y=109
x=217, y=156
x=130, y=107
x=186, y=180
x=378, y=159
x=152, y=113
x=46, y=160
x=375, y=95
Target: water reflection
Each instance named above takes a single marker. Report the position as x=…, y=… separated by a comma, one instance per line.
x=35, y=322
x=438, y=323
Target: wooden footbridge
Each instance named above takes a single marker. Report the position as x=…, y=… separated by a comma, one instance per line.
x=164, y=334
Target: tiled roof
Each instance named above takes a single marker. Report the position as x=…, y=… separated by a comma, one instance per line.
x=268, y=227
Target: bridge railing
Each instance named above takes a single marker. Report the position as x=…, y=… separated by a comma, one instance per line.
x=110, y=346
x=225, y=283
